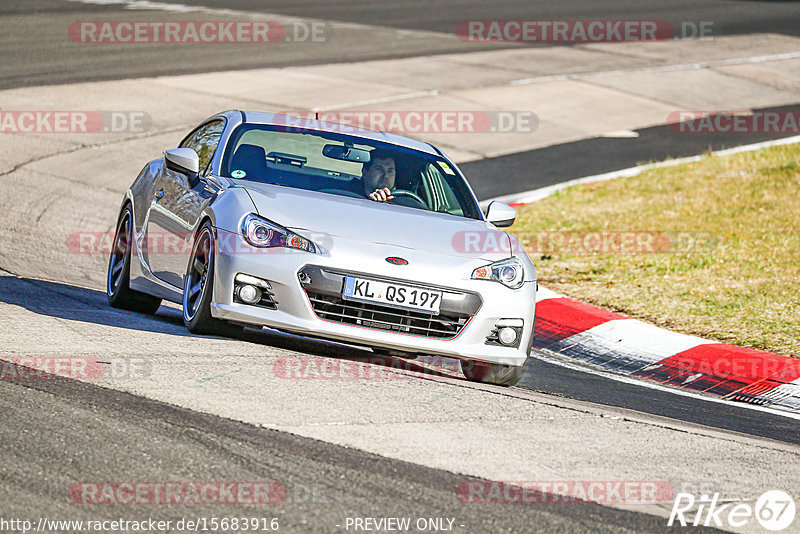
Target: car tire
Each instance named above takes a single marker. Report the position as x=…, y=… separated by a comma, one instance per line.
x=118, y=290
x=198, y=289
x=494, y=373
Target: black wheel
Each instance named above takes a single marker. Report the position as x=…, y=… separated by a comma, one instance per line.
x=494, y=373
x=198, y=288
x=118, y=290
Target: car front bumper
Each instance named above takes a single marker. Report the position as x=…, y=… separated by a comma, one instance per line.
x=477, y=304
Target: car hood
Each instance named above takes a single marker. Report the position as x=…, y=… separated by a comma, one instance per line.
x=323, y=216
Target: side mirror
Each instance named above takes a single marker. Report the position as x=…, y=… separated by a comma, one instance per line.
x=501, y=215
x=182, y=160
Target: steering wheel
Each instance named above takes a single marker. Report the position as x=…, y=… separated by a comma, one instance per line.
x=415, y=200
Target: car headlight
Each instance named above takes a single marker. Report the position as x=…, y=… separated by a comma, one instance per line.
x=508, y=272
x=260, y=232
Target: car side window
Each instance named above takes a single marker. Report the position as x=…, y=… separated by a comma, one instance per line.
x=439, y=191
x=204, y=141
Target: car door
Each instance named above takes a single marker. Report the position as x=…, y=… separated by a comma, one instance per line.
x=176, y=206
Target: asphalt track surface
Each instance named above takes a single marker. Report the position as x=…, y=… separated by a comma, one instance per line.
x=525, y=171
x=85, y=433
x=730, y=17
x=541, y=376
x=35, y=48
x=56, y=432
x=553, y=379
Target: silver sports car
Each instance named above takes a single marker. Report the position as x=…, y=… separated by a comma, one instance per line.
x=330, y=231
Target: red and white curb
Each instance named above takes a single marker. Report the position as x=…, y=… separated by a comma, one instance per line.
x=611, y=342
x=614, y=343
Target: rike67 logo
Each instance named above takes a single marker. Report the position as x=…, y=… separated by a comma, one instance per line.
x=774, y=511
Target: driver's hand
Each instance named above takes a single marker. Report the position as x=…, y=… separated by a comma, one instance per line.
x=381, y=195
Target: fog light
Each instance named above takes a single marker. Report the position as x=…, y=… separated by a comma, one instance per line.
x=507, y=335
x=252, y=280
x=249, y=294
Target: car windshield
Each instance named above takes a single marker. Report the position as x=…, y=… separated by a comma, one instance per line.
x=332, y=163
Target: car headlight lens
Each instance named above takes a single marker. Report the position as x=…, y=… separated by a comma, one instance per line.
x=508, y=272
x=260, y=232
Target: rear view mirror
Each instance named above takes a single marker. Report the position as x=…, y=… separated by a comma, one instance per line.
x=346, y=153
x=501, y=215
x=182, y=160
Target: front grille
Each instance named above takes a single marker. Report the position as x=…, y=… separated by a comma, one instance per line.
x=375, y=316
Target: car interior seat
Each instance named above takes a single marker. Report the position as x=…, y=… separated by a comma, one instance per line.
x=252, y=159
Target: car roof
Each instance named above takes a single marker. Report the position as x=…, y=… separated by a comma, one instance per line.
x=283, y=119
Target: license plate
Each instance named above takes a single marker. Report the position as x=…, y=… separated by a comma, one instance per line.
x=391, y=294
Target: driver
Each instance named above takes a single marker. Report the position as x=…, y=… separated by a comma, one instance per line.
x=378, y=175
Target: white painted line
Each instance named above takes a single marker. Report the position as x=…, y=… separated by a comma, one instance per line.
x=549, y=357
x=395, y=98
x=544, y=192
x=757, y=146
x=622, y=134
x=661, y=68
x=551, y=78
